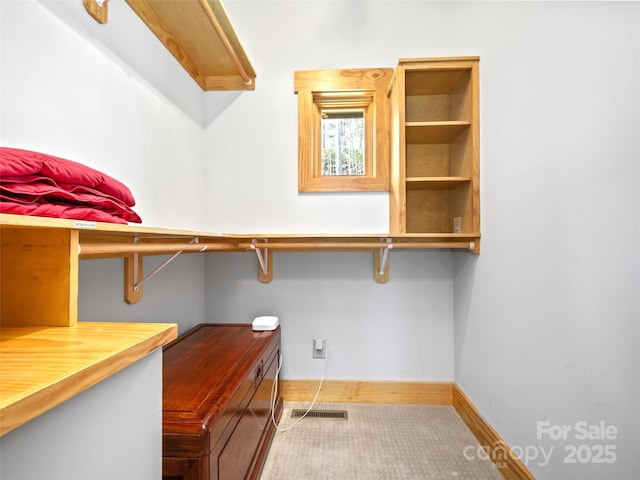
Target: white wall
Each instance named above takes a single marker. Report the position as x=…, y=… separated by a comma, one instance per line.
x=252, y=145
x=62, y=94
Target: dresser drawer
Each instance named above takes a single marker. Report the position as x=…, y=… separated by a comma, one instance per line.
x=241, y=448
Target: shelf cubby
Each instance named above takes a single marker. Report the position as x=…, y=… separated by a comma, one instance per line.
x=438, y=93
x=434, y=205
x=435, y=164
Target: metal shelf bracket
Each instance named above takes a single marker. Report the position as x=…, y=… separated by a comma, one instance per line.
x=381, y=261
x=133, y=272
x=265, y=261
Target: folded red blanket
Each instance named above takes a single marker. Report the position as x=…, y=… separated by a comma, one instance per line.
x=59, y=211
x=68, y=189
x=45, y=190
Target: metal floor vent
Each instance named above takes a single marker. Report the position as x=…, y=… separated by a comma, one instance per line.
x=296, y=413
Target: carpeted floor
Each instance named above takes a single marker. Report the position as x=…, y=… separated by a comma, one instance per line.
x=376, y=442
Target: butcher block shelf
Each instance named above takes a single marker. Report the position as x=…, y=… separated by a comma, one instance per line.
x=200, y=36
x=41, y=367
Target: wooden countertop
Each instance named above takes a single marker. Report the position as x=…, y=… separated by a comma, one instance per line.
x=41, y=367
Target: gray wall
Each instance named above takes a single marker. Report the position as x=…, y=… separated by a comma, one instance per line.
x=176, y=294
x=401, y=330
x=112, y=430
x=546, y=318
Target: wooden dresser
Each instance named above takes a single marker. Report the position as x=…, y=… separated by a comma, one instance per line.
x=217, y=389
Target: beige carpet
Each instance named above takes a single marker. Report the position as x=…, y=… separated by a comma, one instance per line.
x=376, y=442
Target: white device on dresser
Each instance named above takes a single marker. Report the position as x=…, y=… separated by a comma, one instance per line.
x=264, y=323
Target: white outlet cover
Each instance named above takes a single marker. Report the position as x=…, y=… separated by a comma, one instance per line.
x=457, y=224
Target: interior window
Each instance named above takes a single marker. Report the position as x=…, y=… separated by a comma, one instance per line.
x=343, y=130
x=342, y=142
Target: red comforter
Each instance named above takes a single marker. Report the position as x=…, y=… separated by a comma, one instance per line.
x=38, y=184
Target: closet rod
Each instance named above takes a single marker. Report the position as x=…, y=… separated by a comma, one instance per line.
x=225, y=41
x=116, y=249
x=356, y=245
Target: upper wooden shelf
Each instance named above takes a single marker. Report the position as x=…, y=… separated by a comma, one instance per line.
x=200, y=36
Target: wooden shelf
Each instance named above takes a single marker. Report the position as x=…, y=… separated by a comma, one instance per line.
x=26, y=241
x=106, y=240
x=434, y=132
x=435, y=183
x=41, y=367
x=434, y=82
x=200, y=36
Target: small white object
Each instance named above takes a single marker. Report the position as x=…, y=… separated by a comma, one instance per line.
x=265, y=323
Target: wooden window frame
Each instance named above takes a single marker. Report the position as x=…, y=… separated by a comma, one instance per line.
x=336, y=89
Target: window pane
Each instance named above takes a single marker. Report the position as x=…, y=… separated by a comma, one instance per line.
x=342, y=142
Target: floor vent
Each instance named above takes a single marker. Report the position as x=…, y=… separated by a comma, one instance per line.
x=342, y=414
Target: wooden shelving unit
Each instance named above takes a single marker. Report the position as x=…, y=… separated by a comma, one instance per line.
x=435, y=155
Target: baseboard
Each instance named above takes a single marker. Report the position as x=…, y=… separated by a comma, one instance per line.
x=413, y=393
x=498, y=451
x=417, y=393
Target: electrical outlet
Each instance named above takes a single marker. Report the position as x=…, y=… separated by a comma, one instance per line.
x=319, y=348
x=457, y=224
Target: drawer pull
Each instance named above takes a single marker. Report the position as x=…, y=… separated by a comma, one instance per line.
x=259, y=373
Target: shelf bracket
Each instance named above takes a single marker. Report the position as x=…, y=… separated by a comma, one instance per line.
x=98, y=9
x=133, y=268
x=265, y=260
x=381, y=261
x=132, y=276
